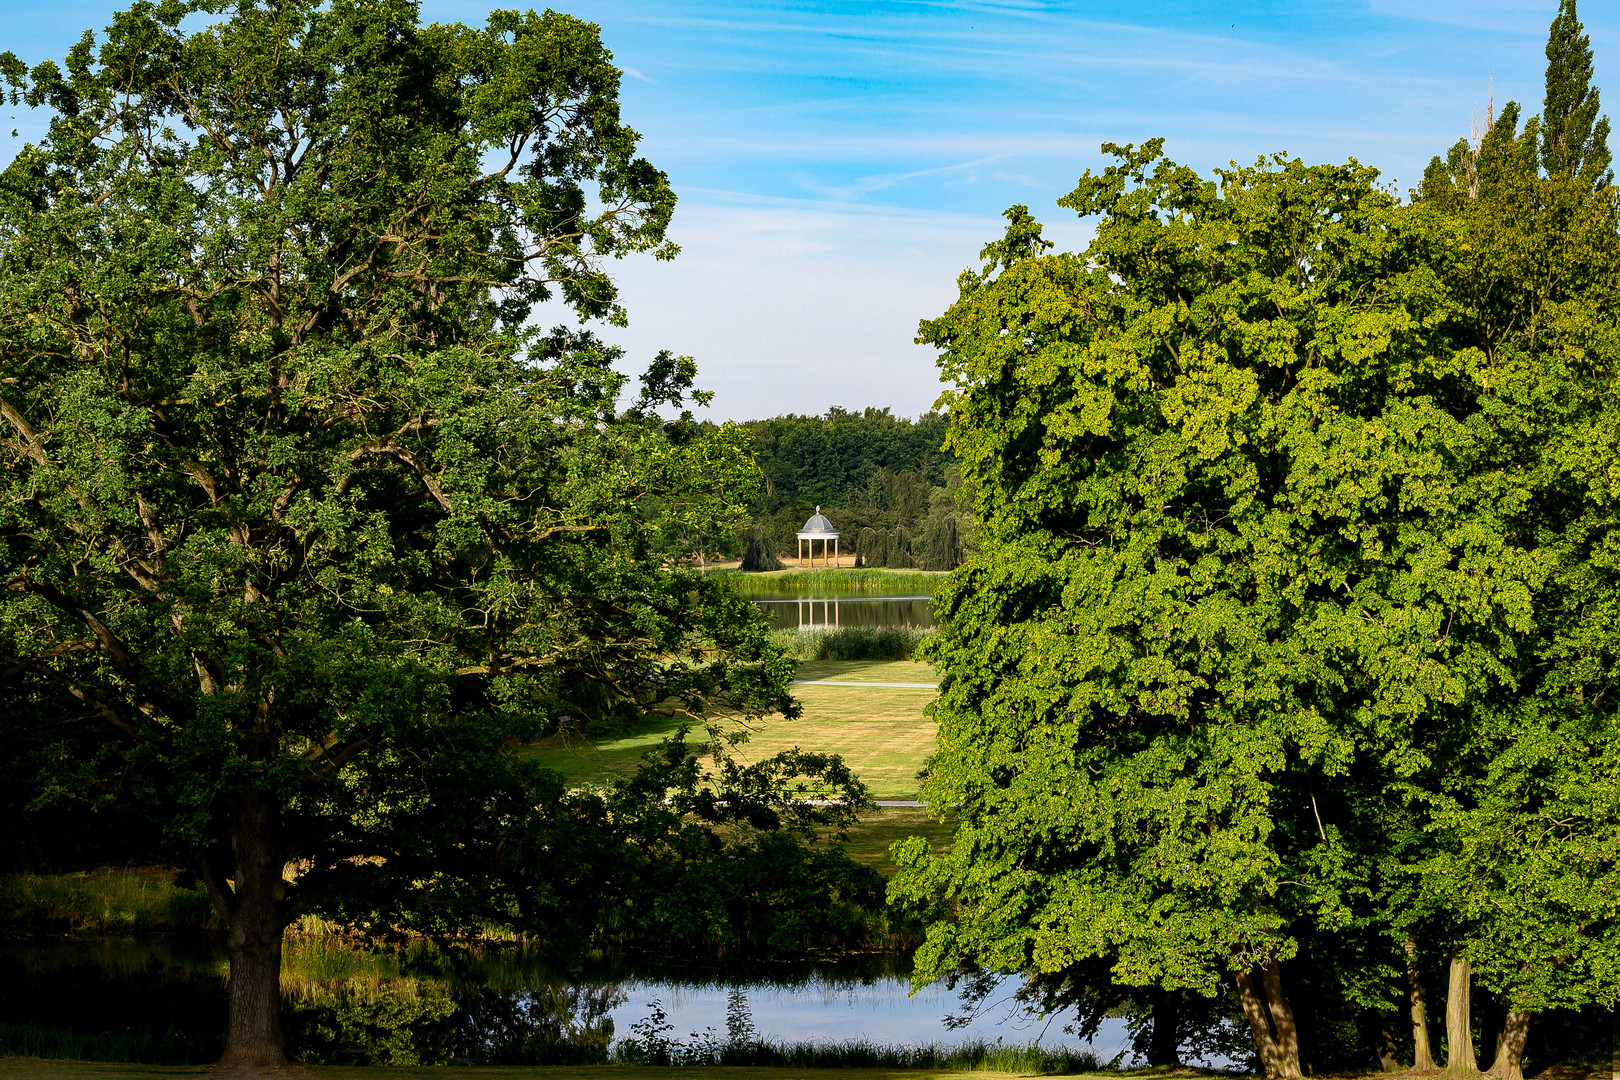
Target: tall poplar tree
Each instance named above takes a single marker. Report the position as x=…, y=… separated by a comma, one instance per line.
x=1574, y=140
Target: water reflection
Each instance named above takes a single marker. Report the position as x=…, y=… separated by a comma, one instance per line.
x=164, y=1003
x=805, y=612
x=880, y=1010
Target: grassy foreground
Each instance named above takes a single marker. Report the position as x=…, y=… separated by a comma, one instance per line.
x=869, y=841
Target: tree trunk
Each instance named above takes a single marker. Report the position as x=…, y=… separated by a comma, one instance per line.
x=1422, y=1058
x=1165, y=1046
x=253, y=936
x=1271, y=1020
x=1384, y=1045
x=1510, y=1054
x=1460, y=1061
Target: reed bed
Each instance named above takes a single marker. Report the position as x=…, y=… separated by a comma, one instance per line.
x=838, y=582
x=120, y=900
x=979, y=1056
x=853, y=642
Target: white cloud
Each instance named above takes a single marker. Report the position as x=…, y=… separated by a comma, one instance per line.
x=795, y=307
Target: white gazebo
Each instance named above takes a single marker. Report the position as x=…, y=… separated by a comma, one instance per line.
x=818, y=528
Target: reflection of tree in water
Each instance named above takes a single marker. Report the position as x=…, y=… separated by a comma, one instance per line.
x=163, y=1003
x=553, y=1025
x=106, y=1001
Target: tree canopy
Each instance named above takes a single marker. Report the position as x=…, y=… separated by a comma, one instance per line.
x=305, y=527
x=1285, y=669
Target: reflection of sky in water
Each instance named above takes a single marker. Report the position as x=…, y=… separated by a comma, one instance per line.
x=879, y=1011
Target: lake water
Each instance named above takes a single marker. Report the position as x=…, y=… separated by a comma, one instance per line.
x=805, y=611
x=840, y=1009
x=164, y=1002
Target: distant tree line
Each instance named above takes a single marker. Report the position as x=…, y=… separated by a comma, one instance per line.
x=889, y=487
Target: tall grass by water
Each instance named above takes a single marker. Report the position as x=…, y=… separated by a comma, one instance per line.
x=853, y=642
x=861, y=1054
x=119, y=900
x=832, y=582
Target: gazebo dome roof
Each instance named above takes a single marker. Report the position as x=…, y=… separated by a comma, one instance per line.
x=818, y=526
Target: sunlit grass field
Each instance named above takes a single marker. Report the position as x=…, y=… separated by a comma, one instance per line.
x=882, y=732
x=869, y=841
x=913, y=671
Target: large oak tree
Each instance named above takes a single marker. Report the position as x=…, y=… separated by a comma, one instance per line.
x=302, y=525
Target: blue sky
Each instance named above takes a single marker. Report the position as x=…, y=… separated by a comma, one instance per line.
x=839, y=163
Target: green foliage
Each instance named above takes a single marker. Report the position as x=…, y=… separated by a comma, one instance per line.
x=303, y=527
x=759, y=552
x=1181, y=475
x=853, y=642
x=404, y=1022
x=867, y=459
x=1287, y=492
x=1518, y=821
x=894, y=493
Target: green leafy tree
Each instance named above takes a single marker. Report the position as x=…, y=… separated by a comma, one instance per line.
x=303, y=529
x=1244, y=562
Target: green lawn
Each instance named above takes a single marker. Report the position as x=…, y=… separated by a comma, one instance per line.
x=880, y=731
x=870, y=840
x=914, y=671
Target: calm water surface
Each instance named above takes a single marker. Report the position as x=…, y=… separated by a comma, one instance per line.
x=791, y=612
x=168, y=999
x=833, y=1008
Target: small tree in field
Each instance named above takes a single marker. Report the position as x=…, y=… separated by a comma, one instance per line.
x=302, y=527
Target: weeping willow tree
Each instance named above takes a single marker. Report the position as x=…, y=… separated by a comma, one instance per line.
x=943, y=547
x=759, y=553
x=887, y=548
